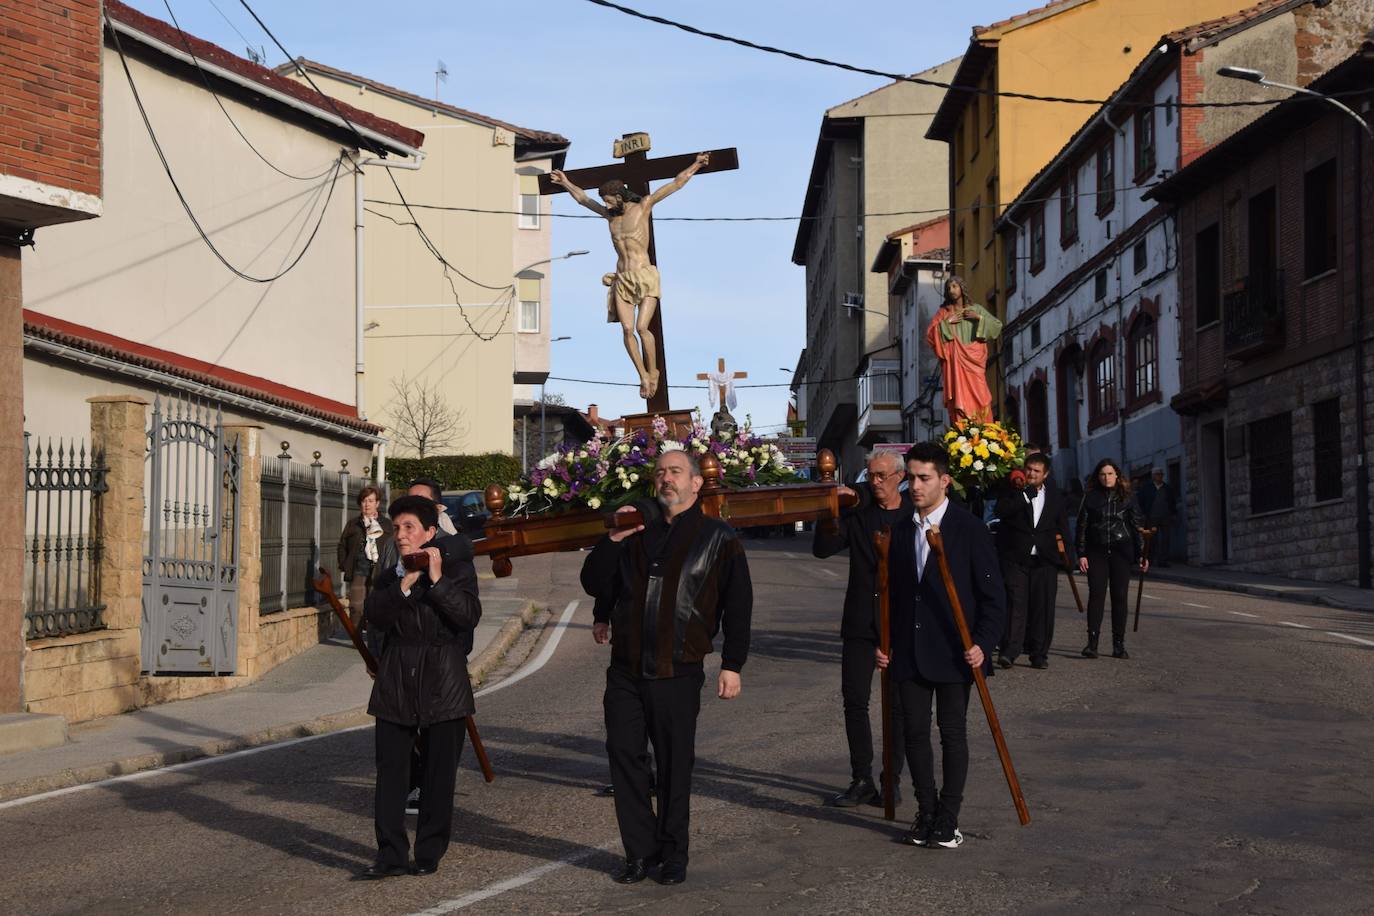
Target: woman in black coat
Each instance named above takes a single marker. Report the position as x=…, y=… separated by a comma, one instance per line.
x=360, y=547
x=1109, y=547
x=426, y=609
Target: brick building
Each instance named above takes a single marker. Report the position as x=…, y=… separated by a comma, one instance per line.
x=50, y=173
x=1276, y=270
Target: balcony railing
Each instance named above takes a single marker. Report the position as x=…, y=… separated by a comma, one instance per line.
x=881, y=385
x=1252, y=316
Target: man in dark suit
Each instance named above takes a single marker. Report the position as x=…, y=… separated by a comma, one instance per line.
x=882, y=504
x=1028, y=520
x=928, y=660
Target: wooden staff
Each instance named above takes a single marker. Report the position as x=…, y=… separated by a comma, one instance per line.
x=1148, y=534
x=1068, y=571
x=325, y=586
x=882, y=542
x=937, y=545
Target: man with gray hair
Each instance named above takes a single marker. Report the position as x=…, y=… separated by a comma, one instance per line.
x=882, y=503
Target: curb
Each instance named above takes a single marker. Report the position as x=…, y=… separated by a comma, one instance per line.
x=510, y=631
x=1324, y=599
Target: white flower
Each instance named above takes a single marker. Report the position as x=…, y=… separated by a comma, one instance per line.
x=961, y=440
x=635, y=449
x=627, y=485
x=991, y=466
x=965, y=448
x=634, y=478
x=977, y=465
x=582, y=454
x=548, y=461
x=671, y=447
x=594, y=502
x=701, y=446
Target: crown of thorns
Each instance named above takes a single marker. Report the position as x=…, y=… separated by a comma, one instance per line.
x=618, y=188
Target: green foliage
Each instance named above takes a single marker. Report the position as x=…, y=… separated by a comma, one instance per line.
x=455, y=472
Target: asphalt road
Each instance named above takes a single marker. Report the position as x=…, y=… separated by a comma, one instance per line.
x=1223, y=769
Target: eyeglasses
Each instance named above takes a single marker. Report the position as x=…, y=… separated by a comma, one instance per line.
x=880, y=476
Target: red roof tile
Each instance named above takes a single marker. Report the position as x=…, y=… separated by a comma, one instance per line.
x=79, y=337
x=210, y=53
x=1212, y=27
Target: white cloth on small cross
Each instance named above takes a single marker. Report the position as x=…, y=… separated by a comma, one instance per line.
x=726, y=381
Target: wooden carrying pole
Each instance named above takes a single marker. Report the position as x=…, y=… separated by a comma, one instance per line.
x=882, y=543
x=325, y=586
x=1148, y=534
x=1068, y=571
x=937, y=546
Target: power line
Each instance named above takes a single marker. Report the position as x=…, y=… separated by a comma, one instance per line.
x=205, y=80
x=823, y=381
x=231, y=23
x=185, y=205
x=902, y=78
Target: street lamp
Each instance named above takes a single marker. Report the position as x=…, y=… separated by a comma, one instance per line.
x=562, y=257
x=1362, y=522
x=552, y=340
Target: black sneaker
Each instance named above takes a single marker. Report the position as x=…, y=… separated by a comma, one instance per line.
x=945, y=833
x=921, y=828
x=877, y=799
x=861, y=791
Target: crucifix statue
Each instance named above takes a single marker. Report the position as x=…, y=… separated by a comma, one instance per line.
x=723, y=425
x=627, y=205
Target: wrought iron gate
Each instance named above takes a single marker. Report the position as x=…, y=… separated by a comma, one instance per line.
x=190, y=561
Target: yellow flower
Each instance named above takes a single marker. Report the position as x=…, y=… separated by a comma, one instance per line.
x=965, y=461
x=981, y=451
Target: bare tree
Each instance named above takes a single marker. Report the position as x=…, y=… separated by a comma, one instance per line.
x=422, y=420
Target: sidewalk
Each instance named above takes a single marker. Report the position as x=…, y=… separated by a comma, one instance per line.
x=321, y=690
x=1326, y=593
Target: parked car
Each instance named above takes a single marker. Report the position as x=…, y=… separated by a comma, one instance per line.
x=468, y=510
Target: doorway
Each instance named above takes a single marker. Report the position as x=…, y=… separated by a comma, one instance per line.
x=1213, y=535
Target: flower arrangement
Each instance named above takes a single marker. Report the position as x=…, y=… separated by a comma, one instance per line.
x=982, y=453
x=605, y=474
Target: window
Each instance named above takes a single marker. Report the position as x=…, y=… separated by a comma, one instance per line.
x=1103, y=400
x=1263, y=239
x=1140, y=256
x=529, y=211
x=1037, y=241
x=1271, y=463
x=1106, y=178
x=1009, y=260
x=975, y=130
x=1144, y=349
x=529, y=316
x=1100, y=285
x=1319, y=219
x=1145, y=143
x=1035, y=333
x=976, y=214
x=1068, y=209
x=958, y=151
x=1207, y=295
x=1326, y=449
x=1037, y=415
x=960, y=251
x=1168, y=111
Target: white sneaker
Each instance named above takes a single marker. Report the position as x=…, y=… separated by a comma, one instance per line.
x=413, y=802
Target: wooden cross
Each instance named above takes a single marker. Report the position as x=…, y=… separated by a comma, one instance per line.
x=721, y=389
x=637, y=171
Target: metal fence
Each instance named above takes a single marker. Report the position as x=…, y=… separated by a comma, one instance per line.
x=304, y=508
x=63, y=485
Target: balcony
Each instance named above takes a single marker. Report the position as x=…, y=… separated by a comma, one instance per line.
x=1252, y=316
x=880, y=400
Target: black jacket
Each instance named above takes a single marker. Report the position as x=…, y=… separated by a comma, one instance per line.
x=1017, y=532
x=354, y=538
x=855, y=534
x=668, y=590
x=422, y=676
x=1106, y=520
x=925, y=639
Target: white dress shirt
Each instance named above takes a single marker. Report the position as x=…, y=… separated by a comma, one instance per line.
x=923, y=526
x=1037, y=503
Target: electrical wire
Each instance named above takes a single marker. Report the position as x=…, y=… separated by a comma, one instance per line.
x=185, y=205
x=902, y=78
x=205, y=80
x=246, y=42
x=823, y=381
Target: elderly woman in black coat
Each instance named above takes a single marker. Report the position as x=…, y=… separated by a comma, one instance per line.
x=1109, y=546
x=426, y=607
x=360, y=548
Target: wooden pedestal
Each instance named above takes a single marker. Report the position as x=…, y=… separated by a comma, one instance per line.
x=679, y=421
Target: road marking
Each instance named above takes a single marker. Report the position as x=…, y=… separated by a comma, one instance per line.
x=541, y=660
x=510, y=884
x=789, y=556
x=829, y=572
x=1363, y=642
x=1242, y=614
x=525, y=672
x=1205, y=607
x=1300, y=626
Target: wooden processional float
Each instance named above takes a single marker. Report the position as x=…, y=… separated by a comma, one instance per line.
x=506, y=537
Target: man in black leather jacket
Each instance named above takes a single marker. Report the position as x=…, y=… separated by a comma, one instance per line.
x=881, y=504
x=427, y=613
x=664, y=589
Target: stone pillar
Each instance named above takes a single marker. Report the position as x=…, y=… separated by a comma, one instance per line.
x=250, y=542
x=11, y=480
x=119, y=428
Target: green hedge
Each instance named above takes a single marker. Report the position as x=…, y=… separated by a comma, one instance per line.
x=455, y=472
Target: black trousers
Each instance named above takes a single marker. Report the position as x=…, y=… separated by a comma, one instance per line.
x=1041, y=592
x=395, y=748
x=951, y=714
x=856, y=686
x=1109, y=570
x=662, y=713
x=1016, y=577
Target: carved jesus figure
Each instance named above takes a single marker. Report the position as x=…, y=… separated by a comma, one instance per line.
x=959, y=335
x=632, y=297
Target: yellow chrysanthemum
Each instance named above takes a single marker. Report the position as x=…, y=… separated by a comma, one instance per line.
x=965, y=461
x=981, y=451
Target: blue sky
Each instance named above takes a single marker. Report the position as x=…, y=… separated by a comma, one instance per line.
x=592, y=74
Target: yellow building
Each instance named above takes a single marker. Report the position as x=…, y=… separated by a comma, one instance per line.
x=1070, y=48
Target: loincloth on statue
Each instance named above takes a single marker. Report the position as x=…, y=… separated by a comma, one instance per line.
x=632, y=286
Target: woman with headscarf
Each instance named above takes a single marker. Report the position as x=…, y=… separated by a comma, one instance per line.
x=360, y=547
x=1109, y=547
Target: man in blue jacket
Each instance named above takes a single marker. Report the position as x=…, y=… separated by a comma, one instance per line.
x=928, y=660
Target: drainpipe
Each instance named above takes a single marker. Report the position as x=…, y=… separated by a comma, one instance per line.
x=359, y=305
x=1362, y=450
